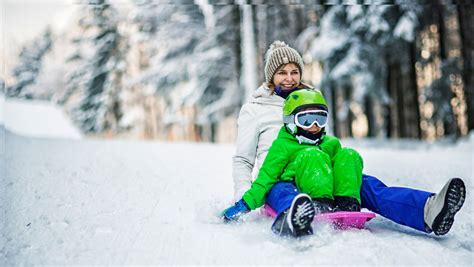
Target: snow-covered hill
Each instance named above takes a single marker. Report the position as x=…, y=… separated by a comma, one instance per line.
x=36, y=118
x=130, y=202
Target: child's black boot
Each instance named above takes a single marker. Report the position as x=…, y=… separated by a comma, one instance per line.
x=323, y=205
x=346, y=204
x=296, y=221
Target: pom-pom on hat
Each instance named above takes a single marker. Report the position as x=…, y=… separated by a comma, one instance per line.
x=279, y=53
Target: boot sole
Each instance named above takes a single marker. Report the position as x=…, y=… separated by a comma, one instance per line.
x=301, y=215
x=455, y=196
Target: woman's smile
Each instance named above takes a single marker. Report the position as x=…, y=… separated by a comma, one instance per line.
x=288, y=85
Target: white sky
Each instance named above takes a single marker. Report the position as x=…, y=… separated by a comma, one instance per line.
x=23, y=20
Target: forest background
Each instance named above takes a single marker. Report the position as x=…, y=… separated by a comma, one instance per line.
x=181, y=70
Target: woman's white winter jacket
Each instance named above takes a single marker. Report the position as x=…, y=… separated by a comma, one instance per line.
x=258, y=124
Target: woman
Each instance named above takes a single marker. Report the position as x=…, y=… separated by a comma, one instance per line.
x=258, y=124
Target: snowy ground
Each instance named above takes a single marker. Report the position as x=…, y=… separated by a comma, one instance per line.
x=132, y=202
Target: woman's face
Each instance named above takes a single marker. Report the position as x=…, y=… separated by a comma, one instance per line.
x=287, y=77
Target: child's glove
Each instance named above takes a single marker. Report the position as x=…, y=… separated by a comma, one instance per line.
x=232, y=214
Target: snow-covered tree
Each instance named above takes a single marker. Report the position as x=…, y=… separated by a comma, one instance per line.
x=356, y=44
x=179, y=67
x=284, y=21
x=192, y=63
x=441, y=64
x=29, y=65
x=99, y=66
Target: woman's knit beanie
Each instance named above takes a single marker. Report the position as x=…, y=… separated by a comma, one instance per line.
x=278, y=54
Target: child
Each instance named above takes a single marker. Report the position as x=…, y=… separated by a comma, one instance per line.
x=303, y=157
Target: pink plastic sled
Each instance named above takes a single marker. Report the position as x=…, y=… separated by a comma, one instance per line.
x=340, y=219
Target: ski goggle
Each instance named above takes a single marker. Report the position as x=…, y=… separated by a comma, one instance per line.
x=306, y=119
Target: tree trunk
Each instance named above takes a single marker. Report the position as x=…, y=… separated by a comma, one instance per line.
x=369, y=112
x=412, y=94
x=342, y=113
x=213, y=128
x=404, y=115
x=236, y=45
x=334, y=105
x=449, y=125
x=393, y=125
x=466, y=22
x=350, y=116
x=262, y=40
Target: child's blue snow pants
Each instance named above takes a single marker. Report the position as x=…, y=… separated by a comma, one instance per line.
x=399, y=204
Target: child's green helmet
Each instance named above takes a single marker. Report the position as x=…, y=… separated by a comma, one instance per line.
x=297, y=101
x=303, y=98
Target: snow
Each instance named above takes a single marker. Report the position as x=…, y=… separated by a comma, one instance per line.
x=37, y=119
x=208, y=13
x=405, y=27
x=350, y=64
x=331, y=39
x=2, y=107
x=135, y=202
x=376, y=21
x=354, y=12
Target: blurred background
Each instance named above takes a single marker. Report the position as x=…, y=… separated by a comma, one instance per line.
x=181, y=70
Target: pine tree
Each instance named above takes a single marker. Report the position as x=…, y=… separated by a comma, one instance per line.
x=355, y=45
x=99, y=69
x=282, y=21
x=29, y=65
x=194, y=63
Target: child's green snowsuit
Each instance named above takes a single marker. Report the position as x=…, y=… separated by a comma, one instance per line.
x=320, y=171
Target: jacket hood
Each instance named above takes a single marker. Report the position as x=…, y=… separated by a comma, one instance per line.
x=263, y=95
